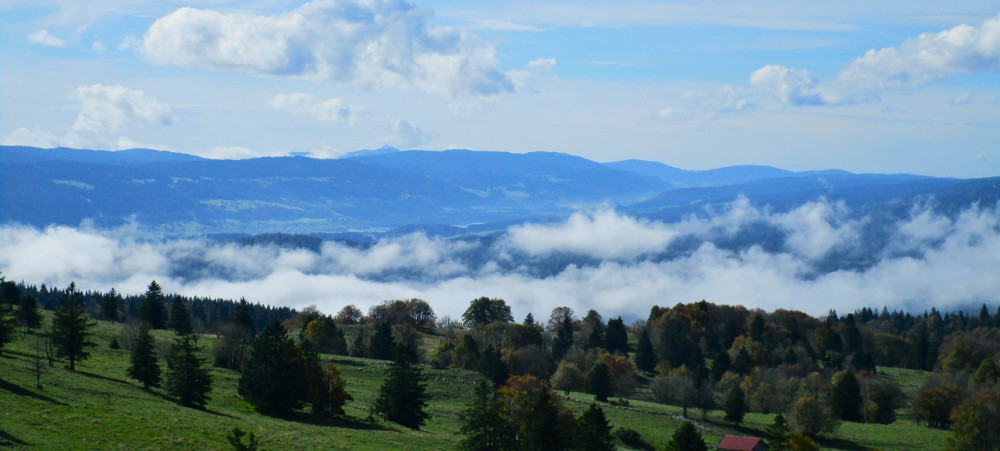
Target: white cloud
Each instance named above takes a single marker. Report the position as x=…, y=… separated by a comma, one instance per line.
x=98, y=46
x=376, y=44
x=106, y=110
x=332, y=111
x=404, y=133
x=928, y=57
x=603, y=234
x=35, y=137
x=726, y=101
x=535, y=69
x=42, y=37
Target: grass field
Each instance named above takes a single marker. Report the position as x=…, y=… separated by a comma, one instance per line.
x=98, y=407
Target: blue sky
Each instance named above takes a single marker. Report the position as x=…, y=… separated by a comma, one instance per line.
x=894, y=86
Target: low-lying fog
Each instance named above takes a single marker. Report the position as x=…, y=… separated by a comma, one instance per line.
x=814, y=258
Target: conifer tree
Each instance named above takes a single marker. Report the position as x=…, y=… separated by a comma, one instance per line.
x=493, y=367
x=645, y=358
x=687, y=438
x=616, y=336
x=71, y=328
x=485, y=425
x=28, y=313
x=776, y=435
x=735, y=406
x=593, y=433
x=188, y=376
x=326, y=392
x=544, y=430
x=152, y=310
x=144, y=366
x=6, y=325
x=564, y=338
x=273, y=379
x=598, y=382
x=402, y=397
x=529, y=320
x=180, y=318
x=243, y=317
x=383, y=344
x=845, y=400
x=110, y=305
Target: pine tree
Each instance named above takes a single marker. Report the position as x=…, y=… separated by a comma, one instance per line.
x=28, y=313
x=180, y=318
x=687, y=438
x=188, y=376
x=599, y=382
x=616, y=337
x=273, y=379
x=544, y=431
x=327, y=389
x=845, y=400
x=383, y=344
x=529, y=320
x=71, y=328
x=735, y=406
x=645, y=358
x=493, y=367
x=110, y=305
x=776, y=435
x=243, y=317
x=564, y=338
x=6, y=325
x=402, y=397
x=151, y=310
x=144, y=365
x=485, y=425
x=593, y=433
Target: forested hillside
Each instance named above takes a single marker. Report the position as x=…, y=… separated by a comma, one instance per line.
x=870, y=378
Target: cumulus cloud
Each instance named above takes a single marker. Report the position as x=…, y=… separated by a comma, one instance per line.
x=928, y=57
x=42, y=37
x=332, y=111
x=106, y=110
x=376, y=44
x=931, y=259
x=404, y=133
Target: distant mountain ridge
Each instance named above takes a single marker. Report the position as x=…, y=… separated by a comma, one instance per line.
x=387, y=189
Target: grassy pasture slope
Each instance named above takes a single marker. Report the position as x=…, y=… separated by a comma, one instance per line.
x=98, y=407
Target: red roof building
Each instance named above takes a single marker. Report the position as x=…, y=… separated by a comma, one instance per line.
x=736, y=443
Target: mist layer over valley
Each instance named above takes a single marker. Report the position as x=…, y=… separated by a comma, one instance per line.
x=817, y=256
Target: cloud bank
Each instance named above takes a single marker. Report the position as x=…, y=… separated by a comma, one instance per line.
x=376, y=44
x=928, y=57
x=603, y=260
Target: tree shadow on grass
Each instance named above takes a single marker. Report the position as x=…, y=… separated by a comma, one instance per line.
x=342, y=421
x=838, y=443
x=98, y=376
x=21, y=391
x=154, y=393
x=8, y=440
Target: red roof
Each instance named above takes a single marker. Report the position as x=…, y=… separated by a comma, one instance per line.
x=735, y=443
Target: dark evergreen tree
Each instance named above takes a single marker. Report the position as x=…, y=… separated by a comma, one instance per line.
x=144, y=366
x=598, y=382
x=152, y=310
x=188, y=377
x=735, y=406
x=7, y=325
x=273, y=378
x=596, y=337
x=493, y=367
x=845, y=399
x=71, y=328
x=383, y=344
x=687, y=438
x=358, y=348
x=529, y=320
x=616, y=337
x=645, y=357
x=180, y=318
x=235, y=439
x=776, y=435
x=28, y=314
x=543, y=430
x=564, y=338
x=243, y=317
x=720, y=364
x=485, y=424
x=402, y=397
x=326, y=392
x=593, y=433
x=111, y=305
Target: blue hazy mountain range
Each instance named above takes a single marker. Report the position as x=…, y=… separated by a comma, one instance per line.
x=180, y=194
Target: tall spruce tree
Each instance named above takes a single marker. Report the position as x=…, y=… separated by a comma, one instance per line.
x=616, y=337
x=544, y=430
x=564, y=338
x=243, y=317
x=152, y=310
x=382, y=345
x=598, y=382
x=485, y=424
x=845, y=399
x=645, y=357
x=144, y=366
x=687, y=438
x=110, y=305
x=735, y=406
x=180, y=318
x=28, y=314
x=188, y=376
x=274, y=379
x=402, y=397
x=593, y=433
x=71, y=328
